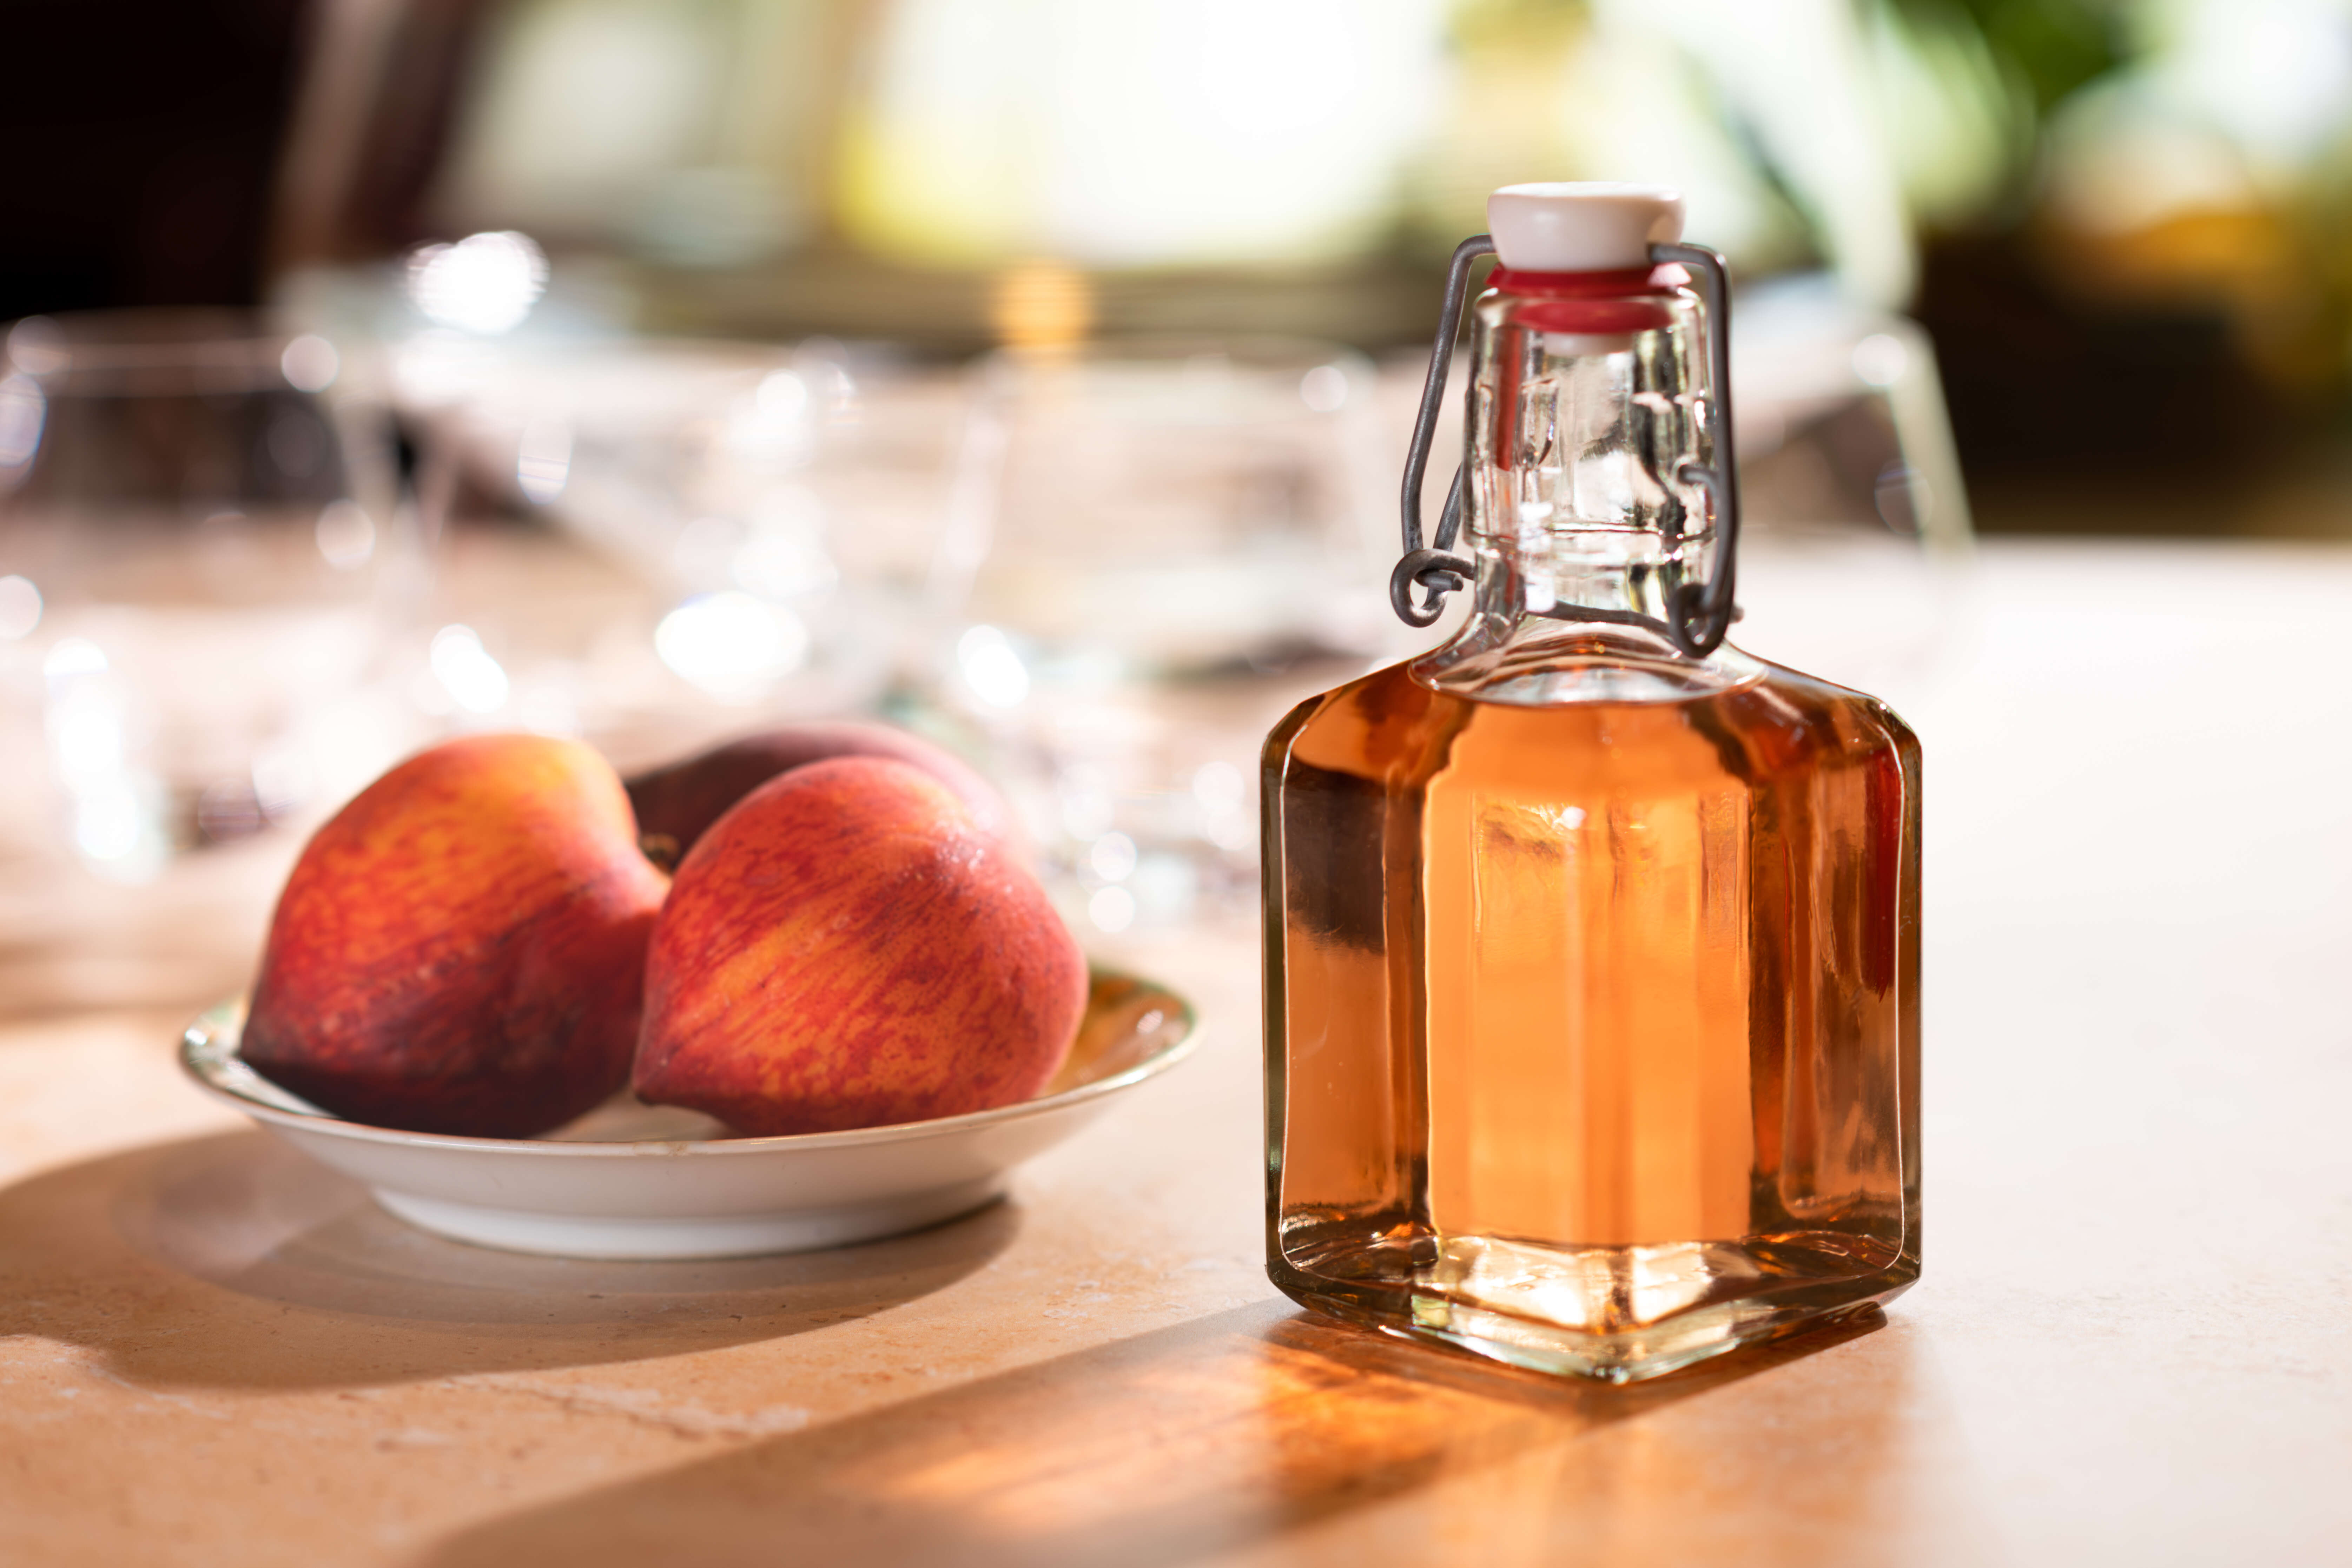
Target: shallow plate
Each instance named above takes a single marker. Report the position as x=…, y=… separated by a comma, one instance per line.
x=631, y=1180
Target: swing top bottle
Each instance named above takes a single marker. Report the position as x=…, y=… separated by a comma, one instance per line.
x=1591, y=942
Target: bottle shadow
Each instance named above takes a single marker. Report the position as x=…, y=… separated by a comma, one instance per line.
x=235, y=1261
x=1156, y=1450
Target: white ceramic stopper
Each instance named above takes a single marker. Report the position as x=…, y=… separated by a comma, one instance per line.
x=1581, y=226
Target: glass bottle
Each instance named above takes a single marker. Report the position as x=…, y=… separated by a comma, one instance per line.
x=1592, y=943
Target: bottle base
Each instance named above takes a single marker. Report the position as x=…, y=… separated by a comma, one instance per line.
x=1614, y=1314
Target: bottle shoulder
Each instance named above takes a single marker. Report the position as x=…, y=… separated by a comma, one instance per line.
x=1400, y=723
x=1528, y=662
x=1869, y=723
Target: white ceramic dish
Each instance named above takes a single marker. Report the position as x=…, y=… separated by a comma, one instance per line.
x=630, y=1180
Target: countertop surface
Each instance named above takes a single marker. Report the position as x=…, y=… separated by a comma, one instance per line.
x=2133, y=1342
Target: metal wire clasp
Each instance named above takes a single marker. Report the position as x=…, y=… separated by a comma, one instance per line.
x=1699, y=614
x=1437, y=572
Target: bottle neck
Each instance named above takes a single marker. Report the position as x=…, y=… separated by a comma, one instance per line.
x=1595, y=575
x=1586, y=412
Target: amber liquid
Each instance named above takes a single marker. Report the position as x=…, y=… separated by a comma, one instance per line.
x=1593, y=1025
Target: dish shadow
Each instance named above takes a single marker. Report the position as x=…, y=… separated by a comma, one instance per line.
x=1147, y=1453
x=235, y=1261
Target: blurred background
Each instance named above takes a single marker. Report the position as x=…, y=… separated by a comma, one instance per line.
x=1035, y=372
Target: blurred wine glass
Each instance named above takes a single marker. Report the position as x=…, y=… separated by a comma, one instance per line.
x=1155, y=546
x=757, y=573
x=1855, y=532
x=190, y=547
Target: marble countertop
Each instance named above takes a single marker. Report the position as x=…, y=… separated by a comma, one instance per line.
x=2132, y=1343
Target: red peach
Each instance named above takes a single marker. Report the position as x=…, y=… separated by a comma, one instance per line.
x=680, y=802
x=849, y=947
x=461, y=948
